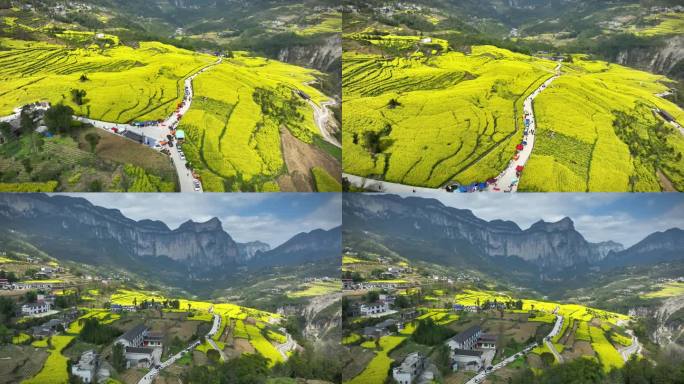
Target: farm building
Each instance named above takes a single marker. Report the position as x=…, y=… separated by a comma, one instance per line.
x=466, y=360
x=35, y=308
x=486, y=341
x=373, y=308
x=86, y=367
x=466, y=339
x=142, y=348
x=410, y=369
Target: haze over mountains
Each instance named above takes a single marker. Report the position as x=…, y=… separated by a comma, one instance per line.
x=74, y=229
x=428, y=230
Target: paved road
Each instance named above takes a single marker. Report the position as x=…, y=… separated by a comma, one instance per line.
x=547, y=340
x=635, y=347
x=385, y=186
x=321, y=116
x=507, y=181
x=212, y=332
x=480, y=377
x=289, y=345
x=154, y=372
x=157, y=132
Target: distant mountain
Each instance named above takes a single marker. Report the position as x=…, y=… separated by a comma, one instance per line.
x=305, y=247
x=427, y=229
x=655, y=248
x=249, y=250
x=74, y=229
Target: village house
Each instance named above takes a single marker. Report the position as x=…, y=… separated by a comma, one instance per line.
x=466, y=339
x=373, y=308
x=486, y=341
x=466, y=360
x=86, y=367
x=142, y=348
x=410, y=369
x=382, y=328
x=35, y=308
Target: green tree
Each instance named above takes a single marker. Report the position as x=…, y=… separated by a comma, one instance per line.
x=118, y=357
x=6, y=131
x=78, y=96
x=58, y=118
x=93, y=139
x=28, y=125
x=31, y=296
x=213, y=355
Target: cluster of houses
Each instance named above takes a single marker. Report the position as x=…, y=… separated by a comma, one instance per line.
x=142, y=348
x=54, y=326
x=468, y=349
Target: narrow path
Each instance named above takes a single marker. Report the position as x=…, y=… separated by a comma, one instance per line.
x=212, y=332
x=154, y=372
x=321, y=117
x=507, y=181
x=155, y=133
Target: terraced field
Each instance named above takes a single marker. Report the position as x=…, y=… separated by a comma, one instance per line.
x=124, y=83
x=607, y=137
x=427, y=120
x=233, y=131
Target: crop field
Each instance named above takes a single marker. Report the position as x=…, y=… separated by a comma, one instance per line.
x=607, y=137
x=317, y=288
x=54, y=371
x=607, y=354
x=426, y=121
x=232, y=127
x=324, y=182
x=376, y=370
x=665, y=24
x=123, y=83
x=667, y=290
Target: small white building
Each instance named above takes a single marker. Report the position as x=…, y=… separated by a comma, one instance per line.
x=35, y=308
x=373, y=308
x=466, y=339
x=86, y=367
x=466, y=360
x=410, y=369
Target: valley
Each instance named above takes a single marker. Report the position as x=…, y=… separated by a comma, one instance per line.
x=435, y=105
x=99, y=305
x=425, y=282
x=231, y=110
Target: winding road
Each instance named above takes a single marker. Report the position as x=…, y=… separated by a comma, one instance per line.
x=288, y=345
x=154, y=372
x=556, y=329
x=321, y=117
x=507, y=180
x=156, y=132
x=628, y=351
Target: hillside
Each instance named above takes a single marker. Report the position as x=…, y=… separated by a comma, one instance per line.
x=418, y=274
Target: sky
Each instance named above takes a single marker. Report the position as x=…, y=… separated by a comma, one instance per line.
x=269, y=217
x=623, y=217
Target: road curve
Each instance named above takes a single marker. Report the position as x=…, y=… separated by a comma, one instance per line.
x=289, y=345
x=633, y=348
x=547, y=340
x=556, y=329
x=505, y=180
x=321, y=117
x=157, y=132
x=154, y=372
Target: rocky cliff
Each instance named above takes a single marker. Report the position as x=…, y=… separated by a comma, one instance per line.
x=75, y=219
x=324, y=57
x=249, y=250
x=553, y=246
x=657, y=59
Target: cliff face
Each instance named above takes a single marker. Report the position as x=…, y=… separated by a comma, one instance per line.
x=249, y=250
x=553, y=246
x=195, y=244
x=324, y=57
x=661, y=60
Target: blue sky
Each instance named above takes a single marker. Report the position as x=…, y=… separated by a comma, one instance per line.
x=269, y=217
x=623, y=217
